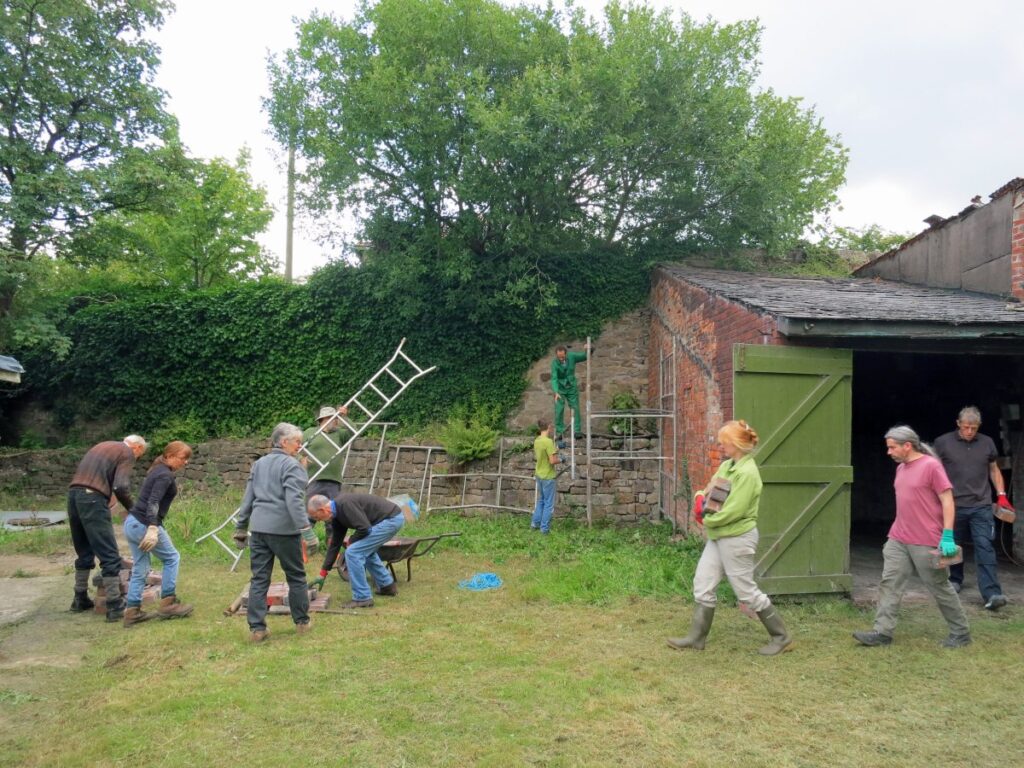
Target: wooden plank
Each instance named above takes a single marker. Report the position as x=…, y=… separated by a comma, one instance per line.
x=806, y=585
x=774, y=473
x=796, y=527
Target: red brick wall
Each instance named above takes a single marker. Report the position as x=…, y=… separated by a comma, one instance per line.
x=705, y=328
x=1017, y=245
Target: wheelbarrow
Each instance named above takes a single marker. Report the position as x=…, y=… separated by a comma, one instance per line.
x=397, y=550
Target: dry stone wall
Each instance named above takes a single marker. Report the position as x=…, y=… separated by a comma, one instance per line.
x=624, y=492
x=619, y=364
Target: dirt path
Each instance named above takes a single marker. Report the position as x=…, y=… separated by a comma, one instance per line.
x=36, y=628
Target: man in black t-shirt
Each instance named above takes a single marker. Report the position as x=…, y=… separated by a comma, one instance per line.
x=969, y=458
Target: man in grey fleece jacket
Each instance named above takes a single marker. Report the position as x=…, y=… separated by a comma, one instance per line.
x=273, y=511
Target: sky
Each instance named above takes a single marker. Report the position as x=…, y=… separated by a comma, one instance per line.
x=927, y=96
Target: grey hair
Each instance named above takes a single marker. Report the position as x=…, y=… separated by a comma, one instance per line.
x=901, y=433
x=970, y=415
x=284, y=431
x=317, y=501
x=136, y=440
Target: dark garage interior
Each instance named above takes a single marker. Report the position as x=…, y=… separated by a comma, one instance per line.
x=925, y=390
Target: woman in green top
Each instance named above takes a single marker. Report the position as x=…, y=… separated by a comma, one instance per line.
x=731, y=544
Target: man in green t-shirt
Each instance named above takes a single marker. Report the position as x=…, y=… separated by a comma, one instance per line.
x=547, y=456
x=563, y=383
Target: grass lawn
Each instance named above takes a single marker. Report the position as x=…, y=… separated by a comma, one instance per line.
x=564, y=665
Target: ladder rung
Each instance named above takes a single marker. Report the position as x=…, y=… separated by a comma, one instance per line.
x=395, y=377
x=374, y=388
x=365, y=410
x=409, y=361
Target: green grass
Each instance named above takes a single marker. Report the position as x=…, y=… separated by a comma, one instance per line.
x=565, y=665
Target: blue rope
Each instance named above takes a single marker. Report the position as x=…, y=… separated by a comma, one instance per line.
x=481, y=581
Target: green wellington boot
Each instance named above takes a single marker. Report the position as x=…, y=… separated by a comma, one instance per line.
x=699, y=628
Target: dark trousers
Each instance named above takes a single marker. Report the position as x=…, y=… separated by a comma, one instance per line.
x=92, y=532
x=978, y=521
x=263, y=548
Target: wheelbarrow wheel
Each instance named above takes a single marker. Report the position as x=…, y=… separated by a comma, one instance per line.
x=343, y=570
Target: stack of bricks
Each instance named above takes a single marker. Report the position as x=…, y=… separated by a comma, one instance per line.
x=150, y=593
x=277, y=598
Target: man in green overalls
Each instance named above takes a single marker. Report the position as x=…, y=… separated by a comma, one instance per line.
x=563, y=383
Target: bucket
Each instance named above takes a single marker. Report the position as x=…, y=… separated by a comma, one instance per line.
x=410, y=508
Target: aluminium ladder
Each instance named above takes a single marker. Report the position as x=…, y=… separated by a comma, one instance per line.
x=372, y=399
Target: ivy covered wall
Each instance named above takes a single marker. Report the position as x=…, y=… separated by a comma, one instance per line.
x=236, y=361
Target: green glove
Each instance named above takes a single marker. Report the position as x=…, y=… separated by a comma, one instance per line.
x=946, y=545
x=318, y=584
x=310, y=540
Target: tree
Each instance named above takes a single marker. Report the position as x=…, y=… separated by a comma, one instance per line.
x=872, y=238
x=478, y=142
x=76, y=93
x=198, y=230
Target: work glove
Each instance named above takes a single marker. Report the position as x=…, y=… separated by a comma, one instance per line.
x=318, y=583
x=150, y=539
x=310, y=541
x=241, y=538
x=698, y=508
x=946, y=544
x=1002, y=501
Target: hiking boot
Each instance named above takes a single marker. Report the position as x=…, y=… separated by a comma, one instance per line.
x=172, y=608
x=115, y=602
x=956, y=641
x=995, y=603
x=700, y=625
x=135, y=615
x=391, y=590
x=259, y=635
x=304, y=629
x=872, y=638
x=81, y=601
x=358, y=604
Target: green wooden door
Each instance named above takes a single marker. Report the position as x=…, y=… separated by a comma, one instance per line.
x=798, y=401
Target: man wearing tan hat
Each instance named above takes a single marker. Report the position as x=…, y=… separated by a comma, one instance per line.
x=322, y=443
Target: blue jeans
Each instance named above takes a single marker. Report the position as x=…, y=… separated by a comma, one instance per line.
x=981, y=524
x=362, y=555
x=545, y=508
x=164, y=550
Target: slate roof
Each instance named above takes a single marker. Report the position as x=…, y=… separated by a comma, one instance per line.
x=866, y=300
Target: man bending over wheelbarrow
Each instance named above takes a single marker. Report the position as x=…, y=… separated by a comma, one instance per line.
x=374, y=521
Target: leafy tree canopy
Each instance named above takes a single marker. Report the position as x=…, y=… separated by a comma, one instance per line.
x=76, y=93
x=477, y=142
x=198, y=229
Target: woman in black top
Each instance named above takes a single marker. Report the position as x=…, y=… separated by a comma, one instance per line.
x=145, y=533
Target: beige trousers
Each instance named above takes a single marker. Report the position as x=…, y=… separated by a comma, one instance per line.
x=733, y=558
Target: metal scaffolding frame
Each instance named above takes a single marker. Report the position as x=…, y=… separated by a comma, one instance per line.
x=430, y=449
x=664, y=416
x=497, y=489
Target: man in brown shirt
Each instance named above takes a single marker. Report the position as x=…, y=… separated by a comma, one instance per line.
x=104, y=472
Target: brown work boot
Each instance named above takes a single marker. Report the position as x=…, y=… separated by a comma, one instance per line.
x=304, y=629
x=135, y=615
x=391, y=590
x=259, y=635
x=358, y=604
x=172, y=608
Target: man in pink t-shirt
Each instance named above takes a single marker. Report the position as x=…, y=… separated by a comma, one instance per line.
x=924, y=520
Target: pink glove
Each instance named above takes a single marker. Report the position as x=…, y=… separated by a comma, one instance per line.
x=1003, y=502
x=698, y=508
